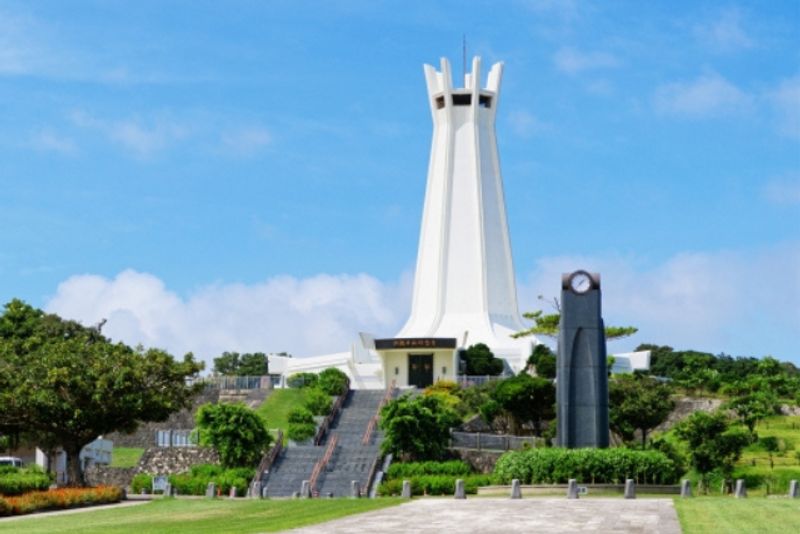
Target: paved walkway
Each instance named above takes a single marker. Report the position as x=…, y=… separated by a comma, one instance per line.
x=506, y=515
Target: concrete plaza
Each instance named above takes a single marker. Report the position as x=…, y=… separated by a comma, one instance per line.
x=505, y=515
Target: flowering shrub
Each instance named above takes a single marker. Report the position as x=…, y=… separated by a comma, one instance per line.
x=59, y=498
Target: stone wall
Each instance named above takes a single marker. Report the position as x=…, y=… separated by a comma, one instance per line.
x=103, y=475
x=171, y=460
x=481, y=461
x=145, y=434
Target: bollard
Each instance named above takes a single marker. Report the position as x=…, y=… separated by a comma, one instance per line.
x=460, y=493
x=124, y=494
x=355, y=491
x=741, y=489
x=630, y=489
x=296, y=495
x=255, y=491
x=686, y=488
x=233, y=492
x=406, y=494
x=794, y=490
x=572, y=489
x=167, y=490
x=143, y=492
x=305, y=490
x=516, y=492
x=264, y=492
x=211, y=490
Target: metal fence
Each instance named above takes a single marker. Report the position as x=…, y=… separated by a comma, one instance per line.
x=466, y=381
x=238, y=382
x=492, y=442
x=177, y=438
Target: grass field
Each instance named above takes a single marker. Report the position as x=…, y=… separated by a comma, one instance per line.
x=726, y=514
x=278, y=405
x=126, y=456
x=198, y=516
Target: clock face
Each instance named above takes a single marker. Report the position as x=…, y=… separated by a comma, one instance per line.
x=580, y=282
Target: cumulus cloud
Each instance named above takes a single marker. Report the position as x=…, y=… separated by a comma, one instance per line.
x=304, y=316
x=735, y=302
x=725, y=33
x=50, y=141
x=573, y=61
x=707, y=96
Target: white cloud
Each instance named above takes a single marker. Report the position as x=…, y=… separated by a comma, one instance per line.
x=141, y=138
x=783, y=191
x=50, y=141
x=309, y=316
x=725, y=33
x=246, y=141
x=735, y=302
x=573, y=61
x=786, y=102
x=709, y=95
x=525, y=124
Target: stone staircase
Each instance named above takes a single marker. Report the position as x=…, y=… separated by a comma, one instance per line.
x=351, y=460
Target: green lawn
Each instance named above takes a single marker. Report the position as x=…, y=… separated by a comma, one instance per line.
x=198, y=516
x=278, y=405
x=729, y=515
x=126, y=456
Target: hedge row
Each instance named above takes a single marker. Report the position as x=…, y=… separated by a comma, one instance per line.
x=416, y=469
x=610, y=466
x=58, y=498
x=16, y=481
x=434, y=484
x=196, y=481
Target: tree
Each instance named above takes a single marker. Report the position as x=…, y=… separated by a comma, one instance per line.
x=481, y=361
x=417, y=428
x=235, y=431
x=752, y=401
x=713, y=444
x=543, y=360
x=62, y=384
x=333, y=381
x=637, y=402
x=548, y=325
x=247, y=364
x=524, y=399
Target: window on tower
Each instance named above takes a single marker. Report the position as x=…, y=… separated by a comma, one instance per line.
x=439, y=102
x=485, y=101
x=462, y=100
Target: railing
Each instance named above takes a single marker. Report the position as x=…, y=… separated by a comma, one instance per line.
x=320, y=465
x=177, y=438
x=237, y=382
x=328, y=421
x=466, y=381
x=373, y=422
x=492, y=442
x=268, y=460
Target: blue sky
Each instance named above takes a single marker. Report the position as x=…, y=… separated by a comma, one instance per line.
x=250, y=175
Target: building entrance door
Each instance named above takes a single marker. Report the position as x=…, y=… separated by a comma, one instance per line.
x=420, y=370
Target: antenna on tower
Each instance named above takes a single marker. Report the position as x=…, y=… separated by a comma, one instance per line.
x=464, y=57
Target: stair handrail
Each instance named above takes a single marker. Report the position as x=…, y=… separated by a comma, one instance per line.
x=321, y=463
x=335, y=409
x=373, y=422
x=268, y=459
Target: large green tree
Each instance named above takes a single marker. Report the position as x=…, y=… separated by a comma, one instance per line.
x=522, y=399
x=548, y=325
x=417, y=428
x=64, y=384
x=480, y=360
x=752, y=399
x=637, y=402
x=247, y=364
x=713, y=443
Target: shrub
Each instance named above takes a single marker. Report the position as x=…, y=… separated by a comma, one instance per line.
x=301, y=431
x=434, y=484
x=5, y=507
x=302, y=380
x=333, y=381
x=558, y=465
x=235, y=431
x=23, y=480
x=300, y=416
x=59, y=498
x=416, y=469
x=142, y=481
x=197, y=479
x=318, y=402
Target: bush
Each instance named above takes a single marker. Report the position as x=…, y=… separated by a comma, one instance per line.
x=300, y=416
x=302, y=380
x=142, y=481
x=558, y=465
x=318, y=402
x=333, y=381
x=416, y=469
x=16, y=481
x=301, y=431
x=5, y=507
x=197, y=479
x=434, y=484
x=235, y=431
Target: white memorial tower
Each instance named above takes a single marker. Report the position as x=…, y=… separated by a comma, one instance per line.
x=464, y=283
